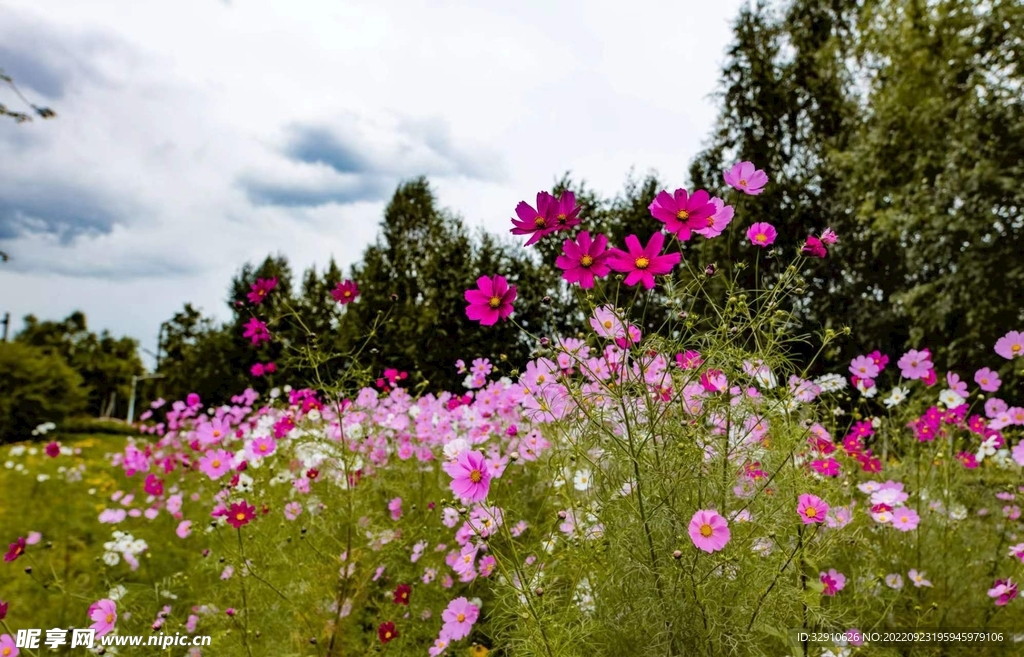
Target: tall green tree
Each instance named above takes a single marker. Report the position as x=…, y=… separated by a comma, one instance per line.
x=106, y=364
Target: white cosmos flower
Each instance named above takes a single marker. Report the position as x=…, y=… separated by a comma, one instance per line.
x=581, y=480
x=896, y=397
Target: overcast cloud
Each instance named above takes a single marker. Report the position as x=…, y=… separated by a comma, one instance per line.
x=195, y=135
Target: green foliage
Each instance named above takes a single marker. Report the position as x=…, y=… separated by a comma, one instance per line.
x=36, y=386
x=95, y=426
x=105, y=363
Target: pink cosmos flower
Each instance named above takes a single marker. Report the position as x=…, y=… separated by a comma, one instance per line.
x=1010, y=345
x=762, y=234
x=745, y=178
x=260, y=289
x=814, y=247
x=567, y=213
x=682, y=212
x=584, y=259
x=607, y=324
x=956, y=384
x=292, y=510
x=864, y=367
x=256, y=331
x=917, y=577
x=395, y=507
x=709, y=531
x=184, y=529
x=535, y=222
x=642, y=264
x=345, y=292
x=828, y=236
x=915, y=364
x=717, y=222
x=905, y=519
x=103, y=614
x=257, y=369
x=8, y=646
x=1017, y=551
x=811, y=508
x=833, y=580
x=491, y=301
x=262, y=446
x=458, y=618
x=987, y=380
x=216, y=463
x=471, y=479
x=1003, y=591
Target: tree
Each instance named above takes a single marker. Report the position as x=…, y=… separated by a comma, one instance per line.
x=106, y=364
x=36, y=386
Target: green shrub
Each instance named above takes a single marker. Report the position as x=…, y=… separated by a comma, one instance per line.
x=93, y=425
x=35, y=387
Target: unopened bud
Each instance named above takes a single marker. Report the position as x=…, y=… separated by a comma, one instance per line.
x=539, y=591
x=678, y=554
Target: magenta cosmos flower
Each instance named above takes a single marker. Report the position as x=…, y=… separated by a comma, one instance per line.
x=642, y=264
x=811, y=508
x=584, y=259
x=762, y=234
x=260, y=289
x=103, y=614
x=345, y=292
x=814, y=247
x=491, y=301
x=256, y=331
x=833, y=581
x=1011, y=345
x=681, y=212
x=458, y=619
x=709, y=531
x=536, y=222
x=470, y=477
x=745, y=178
x=1003, y=591
x=16, y=549
x=567, y=213
x=240, y=514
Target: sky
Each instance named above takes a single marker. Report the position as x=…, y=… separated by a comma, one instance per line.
x=194, y=136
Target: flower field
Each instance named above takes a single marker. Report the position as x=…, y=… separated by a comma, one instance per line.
x=692, y=491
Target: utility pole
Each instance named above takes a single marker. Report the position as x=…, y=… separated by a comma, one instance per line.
x=131, y=399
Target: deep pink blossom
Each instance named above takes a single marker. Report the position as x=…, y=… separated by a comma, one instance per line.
x=718, y=221
x=535, y=222
x=584, y=259
x=762, y=234
x=256, y=331
x=16, y=549
x=491, y=301
x=811, y=508
x=834, y=581
x=745, y=178
x=1003, y=591
x=642, y=264
x=345, y=292
x=566, y=211
x=682, y=212
x=814, y=247
x=260, y=289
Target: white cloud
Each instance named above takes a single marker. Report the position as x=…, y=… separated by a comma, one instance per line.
x=193, y=136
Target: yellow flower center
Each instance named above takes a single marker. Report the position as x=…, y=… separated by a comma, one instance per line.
x=711, y=221
x=540, y=222
x=1015, y=348
x=607, y=323
x=476, y=476
x=494, y=302
x=461, y=618
x=586, y=261
x=682, y=215
x=110, y=618
x=706, y=531
x=642, y=263
x=7, y=651
x=216, y=463
x=811, y=512
x=743, y=182
x=761, y=237
x=904, y=519
x=239, y=516
x=387, y=634
x=347, y=293
x=561, y=218
x=216, y=433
